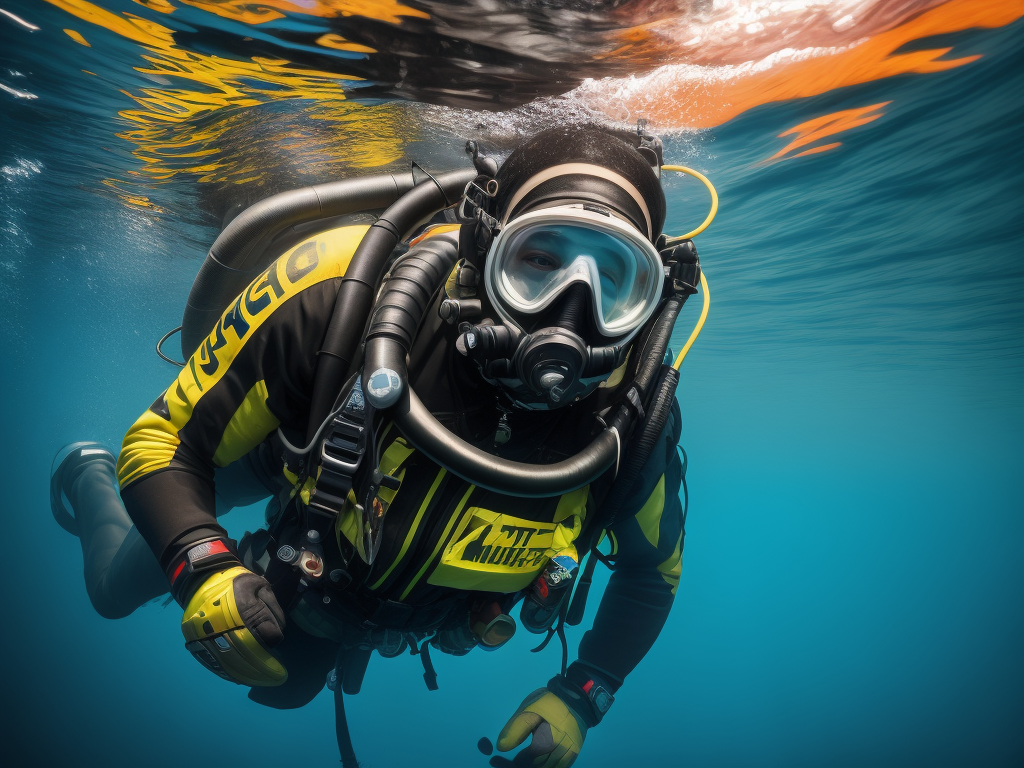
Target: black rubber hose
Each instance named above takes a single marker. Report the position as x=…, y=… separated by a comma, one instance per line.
x=578, y=606
x=511, y=478
x=640, y=449
x=160, y=344
x=653, y=354
x=657, y=415
x=239, y=252
x=358, y=289
x=640, y=452
x=403, y=302
x=572, y=310
x=345, y=748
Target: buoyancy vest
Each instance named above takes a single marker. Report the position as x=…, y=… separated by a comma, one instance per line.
x=445, y=533
x=445, y=542
x=444, y=539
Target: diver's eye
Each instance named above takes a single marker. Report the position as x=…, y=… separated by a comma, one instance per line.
x=541, y=261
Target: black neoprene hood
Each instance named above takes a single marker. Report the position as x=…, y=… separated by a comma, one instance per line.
x=593, y=146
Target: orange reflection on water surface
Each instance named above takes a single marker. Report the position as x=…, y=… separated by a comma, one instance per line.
x=683, y=99
x=811, y=131
x=182, y=127
x=267, y=10
x=199, y=115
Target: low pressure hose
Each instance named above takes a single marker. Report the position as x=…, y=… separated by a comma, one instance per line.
x=700, y=322
x=640, y=451
x=402, y=304
x=338, y=357
x=689, y=236
x=653, y=354
x=404, y=300
x=714, y=202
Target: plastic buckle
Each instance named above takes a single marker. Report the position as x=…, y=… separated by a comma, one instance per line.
x=341, y=455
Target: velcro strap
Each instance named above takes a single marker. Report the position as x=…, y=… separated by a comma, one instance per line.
x=199, y=558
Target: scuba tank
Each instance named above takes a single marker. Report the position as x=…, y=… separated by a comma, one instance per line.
x=243, y=249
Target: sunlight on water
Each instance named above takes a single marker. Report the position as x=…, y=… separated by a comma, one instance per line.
x=697, y=68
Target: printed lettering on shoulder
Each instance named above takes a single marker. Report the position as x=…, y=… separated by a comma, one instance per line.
x=322, y=257
x=152, y=441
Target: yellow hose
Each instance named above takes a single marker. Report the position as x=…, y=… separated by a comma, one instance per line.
x=703, y=280
x=700, y=322
x=714, y=200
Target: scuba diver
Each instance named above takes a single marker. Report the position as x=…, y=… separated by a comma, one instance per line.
x=444, y=430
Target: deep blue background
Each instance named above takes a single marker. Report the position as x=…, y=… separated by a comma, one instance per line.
x=852, y=582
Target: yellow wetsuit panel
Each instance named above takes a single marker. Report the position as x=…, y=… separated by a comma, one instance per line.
x=153, y=441
x=672, y=568
x=252, y=422
x=649, y=516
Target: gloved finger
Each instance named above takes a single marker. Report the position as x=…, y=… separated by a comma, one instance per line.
x=522, y=760
x=542, y=752
x=259, y=609
x=517, y=729
x=561, y=757
x=541, y=746
x=545, y=753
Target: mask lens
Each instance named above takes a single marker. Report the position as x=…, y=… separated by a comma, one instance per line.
x=540, y=261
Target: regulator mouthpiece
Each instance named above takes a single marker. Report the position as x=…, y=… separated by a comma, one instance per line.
x=547, y=369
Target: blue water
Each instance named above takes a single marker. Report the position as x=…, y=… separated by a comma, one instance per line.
x=852, y=584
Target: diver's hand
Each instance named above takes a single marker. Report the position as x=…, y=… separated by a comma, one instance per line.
x=557, y=730
x=231, y=622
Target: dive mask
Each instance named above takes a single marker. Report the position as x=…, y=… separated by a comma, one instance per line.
x=554, y=267
x=539, y=255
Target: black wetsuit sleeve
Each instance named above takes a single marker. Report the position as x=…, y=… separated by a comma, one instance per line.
x=253, y=374
x=646, y=547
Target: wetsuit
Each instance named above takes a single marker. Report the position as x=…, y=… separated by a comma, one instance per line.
x=446, y=543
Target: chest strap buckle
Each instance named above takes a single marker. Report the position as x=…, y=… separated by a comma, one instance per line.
x=341, y=458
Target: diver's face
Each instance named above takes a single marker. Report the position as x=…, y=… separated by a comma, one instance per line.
x=537, y=264
x=552, y=250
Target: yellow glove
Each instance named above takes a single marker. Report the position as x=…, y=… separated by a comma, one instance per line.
x=231, y=622
x=557, y=732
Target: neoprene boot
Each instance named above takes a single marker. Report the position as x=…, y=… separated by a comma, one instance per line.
x=121, y=572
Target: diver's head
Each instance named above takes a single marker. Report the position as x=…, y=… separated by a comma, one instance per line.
x=570, y=265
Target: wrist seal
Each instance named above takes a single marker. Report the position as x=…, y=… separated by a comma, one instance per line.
x=195, y=561
x=588, y=698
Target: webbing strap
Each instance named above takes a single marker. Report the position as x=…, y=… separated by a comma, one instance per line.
x=348, y=753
